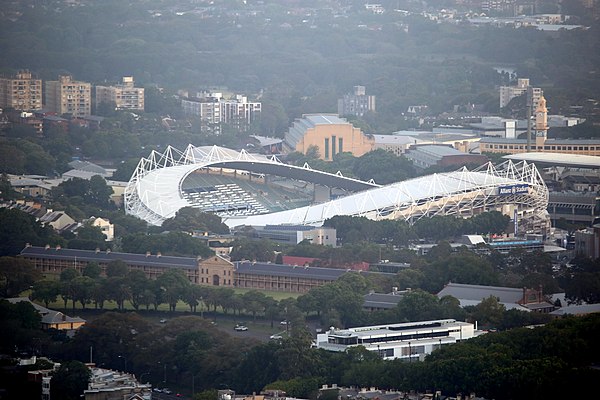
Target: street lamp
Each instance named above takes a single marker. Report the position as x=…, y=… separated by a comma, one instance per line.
x=125, y=361
x=165, y=371
x=201, y=307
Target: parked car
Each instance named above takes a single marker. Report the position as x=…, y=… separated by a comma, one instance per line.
x=284, y=322
x=276, y=337
x=163, y=321
x=240, y=328
x=167, y=391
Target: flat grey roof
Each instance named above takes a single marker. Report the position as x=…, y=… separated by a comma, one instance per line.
x=559, y=159
x=437, y=150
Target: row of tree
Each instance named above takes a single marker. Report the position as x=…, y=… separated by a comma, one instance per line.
x=190, y=352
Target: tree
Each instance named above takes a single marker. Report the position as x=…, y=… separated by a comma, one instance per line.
x=46, y=291
x=117, y=268
x=16, y=275
x=489, y=312
x=99, y=192
x=92, y=270
x=383, y=167
x=69, y=381
x=6, y=190
x=189, y=219
x=254, y=302
x=173, y=284
x=19, y=228
x=83, y=290
x=138, y=283
x=418, y=305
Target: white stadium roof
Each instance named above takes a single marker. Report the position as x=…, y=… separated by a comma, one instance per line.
x=557, y=159
x=154, y=191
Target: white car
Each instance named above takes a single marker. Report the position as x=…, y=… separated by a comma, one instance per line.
x=276, y=337
x=284, y=322
x=240, y=328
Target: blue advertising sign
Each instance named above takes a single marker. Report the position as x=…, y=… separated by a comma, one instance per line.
x=513, y=189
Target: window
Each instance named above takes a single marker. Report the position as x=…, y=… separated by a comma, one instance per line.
x=326, y=148
x=333, y=146
x=341, y=145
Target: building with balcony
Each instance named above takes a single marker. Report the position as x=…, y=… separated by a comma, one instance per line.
x=356, y=103
x=21, y=92
x=67, y=96
x=214, y=109
x=124, y=96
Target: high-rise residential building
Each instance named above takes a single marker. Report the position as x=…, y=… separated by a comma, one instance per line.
x=357, y=103
x=21, y=92
x=213, y=109
x=125, y=96
x=66, y=96
x=507, y=93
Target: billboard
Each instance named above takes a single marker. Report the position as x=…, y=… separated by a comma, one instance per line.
x=513, y=189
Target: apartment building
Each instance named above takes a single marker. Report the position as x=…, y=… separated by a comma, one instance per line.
x=356, y=103
x=67, y=96
x=21, y=92
x=507, y=93
x=214, y=108
x=125, y=95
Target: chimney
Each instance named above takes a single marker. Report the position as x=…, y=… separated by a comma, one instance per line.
x=58, y=247
x=97, y=250
x=27, y=244
x=47, y=247
x=108, y=250
x=158, y=254
x=148, y=254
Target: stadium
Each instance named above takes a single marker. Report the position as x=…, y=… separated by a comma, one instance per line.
x=252, y=189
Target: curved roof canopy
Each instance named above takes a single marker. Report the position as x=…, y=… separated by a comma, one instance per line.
x=154, y=191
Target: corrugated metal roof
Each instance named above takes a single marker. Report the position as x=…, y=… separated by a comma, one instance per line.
x=480, y=292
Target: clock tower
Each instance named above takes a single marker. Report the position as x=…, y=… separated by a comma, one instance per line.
x=541, y=122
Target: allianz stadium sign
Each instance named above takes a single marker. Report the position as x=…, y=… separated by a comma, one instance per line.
x=513, y=189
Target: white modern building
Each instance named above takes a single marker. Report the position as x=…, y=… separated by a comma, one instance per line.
x=408, y=341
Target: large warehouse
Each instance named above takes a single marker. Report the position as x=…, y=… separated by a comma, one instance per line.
x=249, y=189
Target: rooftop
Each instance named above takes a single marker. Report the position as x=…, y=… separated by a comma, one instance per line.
x=108, y=256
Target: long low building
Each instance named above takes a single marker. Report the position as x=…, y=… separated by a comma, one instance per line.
x=213, y=271
x=408, y=341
